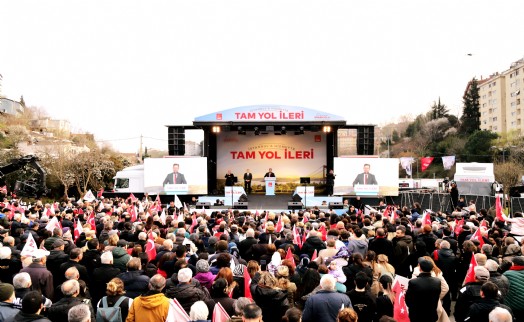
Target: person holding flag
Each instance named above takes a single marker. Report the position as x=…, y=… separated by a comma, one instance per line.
x=422, y=295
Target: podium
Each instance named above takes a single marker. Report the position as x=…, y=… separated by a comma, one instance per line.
x=270, y=185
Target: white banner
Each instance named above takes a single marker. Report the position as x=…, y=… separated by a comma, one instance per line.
x=448, y=162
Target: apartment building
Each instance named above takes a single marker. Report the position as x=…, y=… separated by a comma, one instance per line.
x=500, y=100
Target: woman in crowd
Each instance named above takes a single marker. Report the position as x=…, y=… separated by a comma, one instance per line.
x=115, y=297
x=271, y=299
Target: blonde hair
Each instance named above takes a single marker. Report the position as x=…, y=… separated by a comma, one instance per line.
x=115, y=287
x=113, y=240
x=267, y=280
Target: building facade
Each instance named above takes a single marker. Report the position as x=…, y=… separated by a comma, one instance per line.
x=500, y=100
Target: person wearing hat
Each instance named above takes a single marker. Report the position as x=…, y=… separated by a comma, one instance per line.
x=515, y=298
x=41, y=278
x=204, y=276
x=31, y=308
x=470, y=293
x=422, y=296
x=57, y=257
x=7, y=308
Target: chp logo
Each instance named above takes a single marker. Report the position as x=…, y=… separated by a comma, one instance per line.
x=219, y=116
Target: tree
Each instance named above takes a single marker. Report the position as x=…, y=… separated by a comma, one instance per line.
x=478, y=146
x=470, y=119
x=439, y=110
x=60, y=165
x=91, y=169
x=508, y=173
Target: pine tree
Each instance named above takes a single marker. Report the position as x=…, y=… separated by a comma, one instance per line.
x=470, y=119
x=439, y=110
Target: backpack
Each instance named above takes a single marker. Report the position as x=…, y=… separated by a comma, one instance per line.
x=109, y=314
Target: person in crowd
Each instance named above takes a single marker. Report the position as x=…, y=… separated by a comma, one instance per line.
x=199, y=312
x=102, y=275
x=479, y=311
x=115, y=297
x=272, y=300
x=385, y=298
x=219, y=294
x=135, y=282
x=500, y=314
x=326, y=303
x=71, y=290
x=422, y=295
x=347, y=315
x=41, y=277
x=31, y=307
x=79, y=313
x=515, y=295
x=7, y=295
x=22, y=284
x=252, y=313
x=152, y=305
x=187, y=292
x=470, y=293
x=361, y=299
x=292, y=315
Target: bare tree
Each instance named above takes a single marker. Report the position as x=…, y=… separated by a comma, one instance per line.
x=60, y=165
x=508, y=173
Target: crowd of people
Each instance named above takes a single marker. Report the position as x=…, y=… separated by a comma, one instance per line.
x=130, y=259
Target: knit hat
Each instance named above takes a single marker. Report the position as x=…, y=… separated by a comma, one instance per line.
x=6, y=290
x=58, y=243
x=202, y=266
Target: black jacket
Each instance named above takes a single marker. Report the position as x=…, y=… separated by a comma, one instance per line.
x=364, y=304
x=274, y=303
x=58, y=311
x=468, y=295
x=447, y=262
x=422, y=298
x=311, y=244
x=135, y=283
x=187, y=295
x=382, y=246
x=26, y=317
x=102, y=276
x=479, y=311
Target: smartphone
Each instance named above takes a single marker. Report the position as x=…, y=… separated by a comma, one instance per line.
x=262, y=262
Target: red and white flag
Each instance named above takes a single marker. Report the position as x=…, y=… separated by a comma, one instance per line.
x=296, y=237
x=314, y=256
x=247, y=284
x=163, y=217
x=400, y=309
x=52, y=224
x=458, y=226
x=78, y=229
x=150, y=247
x=220, y=314
x=426, y=218
x=478, y=236
x=289, y=255
x=177, y=312
x=425, y=163
x=279, y=227
x=323, y=230
x=91, y=221
x=470, y=276
x=30, y=246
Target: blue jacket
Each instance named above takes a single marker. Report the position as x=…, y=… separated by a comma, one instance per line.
x=324, y=306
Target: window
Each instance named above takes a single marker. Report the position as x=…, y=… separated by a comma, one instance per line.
x=494, y=128
x=495, y=119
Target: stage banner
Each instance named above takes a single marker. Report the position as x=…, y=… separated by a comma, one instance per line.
x=289, y=156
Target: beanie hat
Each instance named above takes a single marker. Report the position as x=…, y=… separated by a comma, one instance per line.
x=6, y=290
x=202, y=266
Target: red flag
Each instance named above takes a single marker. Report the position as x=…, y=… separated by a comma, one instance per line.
x=315, y=255
x=304, y=219
x=289, y=255
x=426, y=218
x=386, y=212
x=470, y=276
x=78, y=229
x=425, y=162
x=478, y=236
x=132, y=212
x=247, y=283
x=194, y=223
x=498, y=208
x=91, y=220
x=458, y=226
x=296, y=237
x=484, y=224
x=279, y=227
x=322, y=229
x=400, y=309
x=220, y=314
x=99, y=193
x=150, y=247
x=304, y=237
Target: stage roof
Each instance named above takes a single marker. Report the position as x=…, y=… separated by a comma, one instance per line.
x=269, y=113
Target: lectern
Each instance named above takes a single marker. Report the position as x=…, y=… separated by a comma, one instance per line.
x=270, y=185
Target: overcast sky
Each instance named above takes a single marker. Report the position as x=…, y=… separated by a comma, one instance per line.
x=121, y=69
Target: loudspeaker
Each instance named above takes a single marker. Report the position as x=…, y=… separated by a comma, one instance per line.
x=365, y=140
x=205, y=205
x=294, y=205
x=176, y=140
x=243, y=198
x=336, y=205
x=296, y=198
x=240, y=205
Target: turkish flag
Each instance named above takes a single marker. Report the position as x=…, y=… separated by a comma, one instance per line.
x=425, y=162
x=247, y=284
x=91, y=220
x=322, y=229
x=150, y=247
x=220, y=314
x=78, y=229
x=296, y=237
x=498, y=208
x=314, y=256
x=426, y=218
x=400, y=309
x=458, y=226
x=279, y=227
x=470, y=276
x=478, y=236
x=289, y=255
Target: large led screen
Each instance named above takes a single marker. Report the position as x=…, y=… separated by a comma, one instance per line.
x=190, y=178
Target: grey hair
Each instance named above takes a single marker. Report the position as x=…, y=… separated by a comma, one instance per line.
x=79, y=313
x=22, y=280
x=239, y=305
x=499, y=314
x=5, y=252
x=72, y=273
x=445, y=244
x=106, y=258
x=157, y=283
x=70, y=287
x=199, y=311
x=142, y=236
x=328, y=282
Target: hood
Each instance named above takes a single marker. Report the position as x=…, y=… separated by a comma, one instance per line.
x=359, y=243
x=152, y=301
x=407, y=239
x=443, y=252
x=271, y=293
x=206, y=277
x=119, y=252
x=314, y=240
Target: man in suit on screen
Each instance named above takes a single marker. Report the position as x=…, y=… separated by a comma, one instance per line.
x=175, y=177
x=365, y=177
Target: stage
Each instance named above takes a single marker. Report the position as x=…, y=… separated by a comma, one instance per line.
x=278, y=202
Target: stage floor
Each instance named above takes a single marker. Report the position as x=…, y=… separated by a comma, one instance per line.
x=276, y=202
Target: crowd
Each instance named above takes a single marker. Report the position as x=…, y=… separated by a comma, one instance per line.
x=126, y=260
